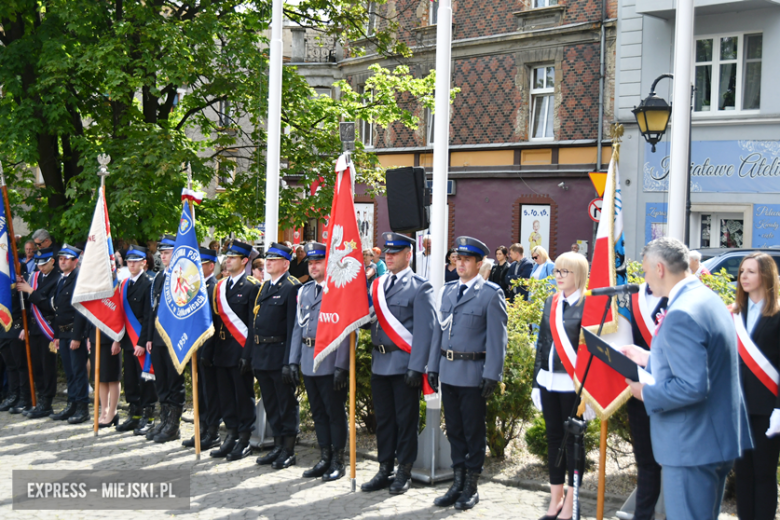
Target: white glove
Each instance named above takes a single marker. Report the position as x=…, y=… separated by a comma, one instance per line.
x=774, y=423
x=589, y=414
x=536, y=397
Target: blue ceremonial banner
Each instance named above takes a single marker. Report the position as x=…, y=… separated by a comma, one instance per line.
x=7, y=274
x=184, y=317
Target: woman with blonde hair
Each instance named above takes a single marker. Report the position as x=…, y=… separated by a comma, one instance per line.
x=553, y=389
x=757, y=320
x=543, y=266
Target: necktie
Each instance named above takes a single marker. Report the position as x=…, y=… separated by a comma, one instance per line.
x=461, y=290
x=59, y=286
x=317, y=291
x=130, y=283
x=230, y=284
x=658, y=308
x=392, y=283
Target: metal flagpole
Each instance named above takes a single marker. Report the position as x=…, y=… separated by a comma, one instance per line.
x=274, y=127
x=433, y=462
x=194, y=357
x=10, y=227
x=352, y=429
x=103, y=160
x=681, y=119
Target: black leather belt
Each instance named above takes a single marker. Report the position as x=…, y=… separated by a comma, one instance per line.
x=66, y=328
x=269, y=339
x=309, y=342
x=452, y=355
x=386, y=349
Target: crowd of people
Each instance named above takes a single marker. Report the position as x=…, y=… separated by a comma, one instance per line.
x=709, y=409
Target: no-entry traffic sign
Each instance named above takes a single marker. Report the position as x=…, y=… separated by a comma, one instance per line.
x=594, y=209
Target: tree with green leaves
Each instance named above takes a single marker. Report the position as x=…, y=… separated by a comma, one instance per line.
x=157, y=84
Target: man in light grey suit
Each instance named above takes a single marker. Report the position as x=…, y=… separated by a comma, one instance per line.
x=327, y=387
x=396, y=374
x=698, y=420
x=467, y=352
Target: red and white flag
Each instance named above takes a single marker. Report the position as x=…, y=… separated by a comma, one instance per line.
x=605, y=389
x=97, y=295
x=344, y=305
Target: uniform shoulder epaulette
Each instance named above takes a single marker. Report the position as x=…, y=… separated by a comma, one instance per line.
x=293, y=280
x=254, y=280
x=492, y=285
x=310, y=282
x=452, y=282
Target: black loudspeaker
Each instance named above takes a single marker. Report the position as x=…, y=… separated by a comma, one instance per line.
x=408, y=200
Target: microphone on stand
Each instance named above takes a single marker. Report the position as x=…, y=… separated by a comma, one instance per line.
x=629, y=288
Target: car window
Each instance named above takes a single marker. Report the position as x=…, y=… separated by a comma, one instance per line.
x=731, y=263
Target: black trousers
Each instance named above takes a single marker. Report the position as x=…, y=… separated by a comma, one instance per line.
x=757, y=474
x=397, y=408
x=465, y=412
x=138, y=390
x=75, y=364
x=15, y=357
x=208, y=397
x=280, y=403
x=168, y=383
x=327, y=410
x=648, y=485
x=236, y=399
x=556, y=407
x=44, y=363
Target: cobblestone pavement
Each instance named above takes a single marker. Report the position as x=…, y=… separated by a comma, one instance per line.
x=241, y=489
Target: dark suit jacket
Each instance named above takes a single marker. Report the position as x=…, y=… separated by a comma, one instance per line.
x=766, y=336
x=207, y=350
x=43, y=294
x=154, y=305
x=274, y=315
x=572, y=319
x=518, y=270
x=64, y=313
x=140, y=304
x=241, y=298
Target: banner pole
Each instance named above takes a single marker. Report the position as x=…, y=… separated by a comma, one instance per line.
x=352, y=430
x=95, y=426
x=602, y=469
x=12, y=239
x=194, y=357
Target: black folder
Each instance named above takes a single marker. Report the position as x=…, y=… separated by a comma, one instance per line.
x=616, y=360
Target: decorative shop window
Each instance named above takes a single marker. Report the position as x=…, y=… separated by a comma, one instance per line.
x=544, y=3
x=366, y=127
x=542, y=102
x=728, y=73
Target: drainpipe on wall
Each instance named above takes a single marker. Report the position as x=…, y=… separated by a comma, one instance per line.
x=601, y=86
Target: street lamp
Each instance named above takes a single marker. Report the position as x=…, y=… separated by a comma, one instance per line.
x=652, y=114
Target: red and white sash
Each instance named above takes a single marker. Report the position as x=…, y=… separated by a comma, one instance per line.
x=562, y=344
x=644, y=321
x=395, y=330
x=237, y=328
x=755, y=360
x=47, y=329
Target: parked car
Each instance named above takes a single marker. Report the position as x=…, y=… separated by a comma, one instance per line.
x=717, y=259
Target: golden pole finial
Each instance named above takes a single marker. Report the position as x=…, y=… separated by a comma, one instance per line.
x=616, y=134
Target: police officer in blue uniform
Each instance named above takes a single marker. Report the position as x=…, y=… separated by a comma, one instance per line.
x=271, y=336
x=467, y=355
x=140, y=393
x=396, y=376
x=12, y=350
x=168, y=383
x=44, y=360
x=234, y=380
x=327, y=387
x=208, y=390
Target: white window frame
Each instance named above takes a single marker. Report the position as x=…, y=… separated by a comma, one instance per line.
x=546, y=91
x=366, y=129
x=430, y=126
x=433, y=12
x=716, y=62
x=544, y=3
x=718, y=211
x=371, y=19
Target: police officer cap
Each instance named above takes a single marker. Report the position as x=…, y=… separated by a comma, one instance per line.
x=239, y=249
x=43, y=255
x=471, y=246
x=278, y=250
x=315, y=250
x=166, y=242
x=207, y=255
x=135, y=253
x=396, y=242
x=69, y=251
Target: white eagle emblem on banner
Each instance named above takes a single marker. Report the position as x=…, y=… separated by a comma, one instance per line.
x=342, y=268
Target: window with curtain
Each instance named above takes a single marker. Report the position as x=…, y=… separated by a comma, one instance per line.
x=728, y=73
x=542, y=102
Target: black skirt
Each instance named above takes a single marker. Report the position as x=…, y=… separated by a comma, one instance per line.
x=110, y=366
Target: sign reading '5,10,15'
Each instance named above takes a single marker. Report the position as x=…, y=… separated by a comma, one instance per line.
x=719, y=167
